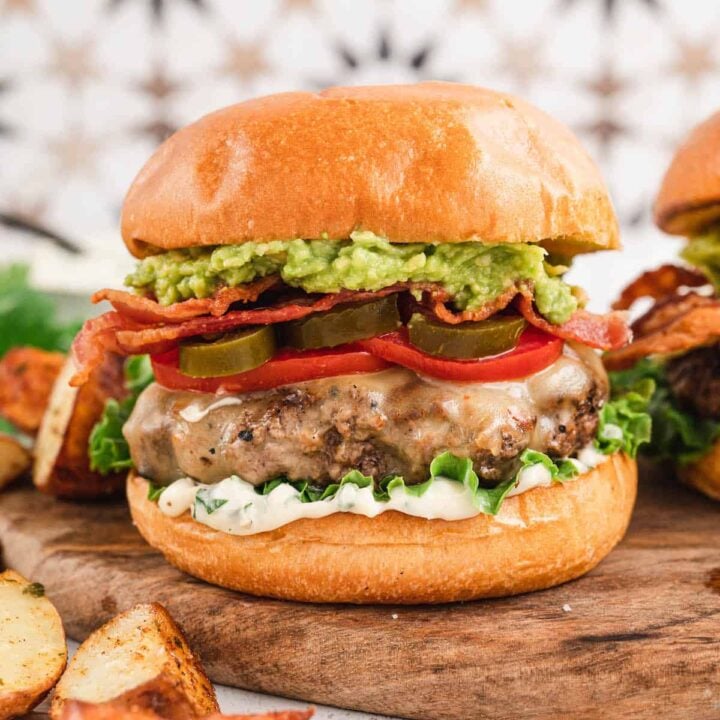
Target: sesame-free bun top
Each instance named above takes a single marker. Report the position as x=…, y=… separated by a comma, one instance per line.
x=432, y=162
x=689, y=197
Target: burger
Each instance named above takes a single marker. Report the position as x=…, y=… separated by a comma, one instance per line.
x=676, y=352
x=372, y=383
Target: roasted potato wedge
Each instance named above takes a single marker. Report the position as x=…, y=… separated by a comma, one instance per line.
x=141, y=661
x=75, y=710
x=62, y=466
x=14, y=460
x=27, y=376
x=33, y=652
x=283, y=715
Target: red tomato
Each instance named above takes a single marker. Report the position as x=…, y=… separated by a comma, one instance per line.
x=535, y=351
x=287, y=367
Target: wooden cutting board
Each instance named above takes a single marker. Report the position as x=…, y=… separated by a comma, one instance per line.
x=637, y=638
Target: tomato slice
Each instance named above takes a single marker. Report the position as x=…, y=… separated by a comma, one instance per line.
x=535, y=351
x=287, y=367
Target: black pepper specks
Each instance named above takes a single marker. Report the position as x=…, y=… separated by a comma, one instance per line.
x=246, y=435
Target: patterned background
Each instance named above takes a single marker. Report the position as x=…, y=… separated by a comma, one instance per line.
x=89, y=87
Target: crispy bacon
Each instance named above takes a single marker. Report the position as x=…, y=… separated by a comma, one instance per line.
x=139, y=325
x=659, y=283
x=442, y=312
x=97, y=338
x=604, y=332
x=146, y=310
x=676, y=324
x=117, y=333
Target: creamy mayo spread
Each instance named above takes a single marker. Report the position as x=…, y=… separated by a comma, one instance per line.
x=233, y=506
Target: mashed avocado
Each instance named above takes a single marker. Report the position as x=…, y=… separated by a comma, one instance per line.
x=703, y=252
x=472, y=272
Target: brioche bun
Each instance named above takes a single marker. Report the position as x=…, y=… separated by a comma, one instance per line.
x=433, y=162
x=540, y=538
x=689, y=197
x=704, y=474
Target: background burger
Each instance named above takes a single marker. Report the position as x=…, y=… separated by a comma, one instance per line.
x=676, y=353
x=372, y=382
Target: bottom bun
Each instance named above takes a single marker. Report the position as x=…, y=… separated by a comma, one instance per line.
x=704, y=474
x=541, y=538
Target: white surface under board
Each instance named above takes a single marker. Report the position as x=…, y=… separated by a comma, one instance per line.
x=234, y=701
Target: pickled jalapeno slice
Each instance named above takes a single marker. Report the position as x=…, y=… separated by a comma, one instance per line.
x=341, y=325
x=232, y=354
x=467, y=340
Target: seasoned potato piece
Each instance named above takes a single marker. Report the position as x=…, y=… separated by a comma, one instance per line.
x=62, y=466
x=27, y=376
x=140, y=660
x=33, y=652
x=75, y=710
x=14, y=460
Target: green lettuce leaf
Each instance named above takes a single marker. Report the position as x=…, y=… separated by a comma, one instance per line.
x=560, y=471
x=27, y=316
x=107, y=447
x=625, y=422
x=676, y=434
x=447, y=466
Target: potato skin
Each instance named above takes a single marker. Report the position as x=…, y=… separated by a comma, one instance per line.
x=27, y=615
x=27, y=376
x=62, y=465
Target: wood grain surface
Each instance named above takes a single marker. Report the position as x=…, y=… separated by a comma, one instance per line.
x=637, y=638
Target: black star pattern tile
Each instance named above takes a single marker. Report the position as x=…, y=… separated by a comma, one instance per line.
x=416, y=61
x=610, y=6
x=158, y=129
x=5, y=128
x=159, y=7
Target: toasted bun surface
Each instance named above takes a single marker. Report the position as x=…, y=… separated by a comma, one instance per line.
x=433, y=162
x=540, y=538
x=704, y=475
x=689, y=197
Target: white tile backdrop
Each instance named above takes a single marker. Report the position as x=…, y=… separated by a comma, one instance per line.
x=89, y=87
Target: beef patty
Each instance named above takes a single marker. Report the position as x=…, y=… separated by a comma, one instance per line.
x=390, y=422
x=694, y=380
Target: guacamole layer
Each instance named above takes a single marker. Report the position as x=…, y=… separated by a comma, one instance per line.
x=703, y=251
x=472, y=273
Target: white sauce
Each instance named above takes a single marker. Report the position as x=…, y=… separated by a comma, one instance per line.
x=245, y=512
x=195, y=413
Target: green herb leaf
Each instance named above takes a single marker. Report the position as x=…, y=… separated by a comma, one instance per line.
x=676, y=435
x=7, y=428
x=107, y=448
x=36, y=589
x=27, y=316
x=154, y=492
x=210, y=505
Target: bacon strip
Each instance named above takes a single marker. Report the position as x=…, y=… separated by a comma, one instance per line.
x=658, y=284
x=604, y=332
x=114, y=332
x=130, y=332
x=97, y=337
x=146, y=310
x=441, y=311
x=677, y=323
x=690, y=328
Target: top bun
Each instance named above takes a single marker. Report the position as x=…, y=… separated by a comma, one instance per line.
x=433, y=162
x=689, y=197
